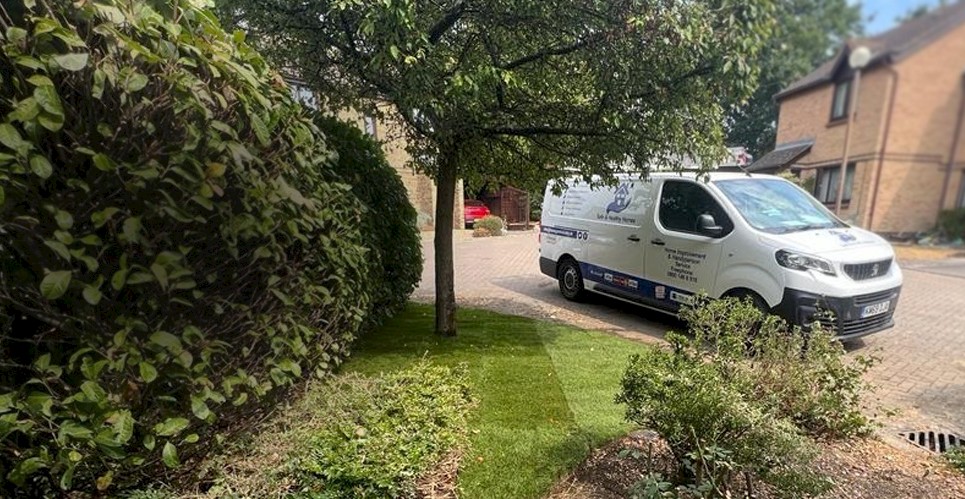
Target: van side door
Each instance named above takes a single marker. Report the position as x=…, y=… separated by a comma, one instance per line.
x=684, y=249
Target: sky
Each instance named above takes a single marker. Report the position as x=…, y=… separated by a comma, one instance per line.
x=880, y=14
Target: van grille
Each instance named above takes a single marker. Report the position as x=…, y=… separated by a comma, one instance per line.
x=862, y=271
x=871, y=298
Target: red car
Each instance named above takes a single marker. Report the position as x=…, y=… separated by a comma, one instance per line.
x=474, y=210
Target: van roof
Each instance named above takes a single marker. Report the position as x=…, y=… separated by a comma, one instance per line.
x=714, y=175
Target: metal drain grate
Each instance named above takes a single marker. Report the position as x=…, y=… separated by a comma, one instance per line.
x=933, y=440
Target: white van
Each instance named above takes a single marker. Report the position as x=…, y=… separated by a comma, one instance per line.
x=657, y=242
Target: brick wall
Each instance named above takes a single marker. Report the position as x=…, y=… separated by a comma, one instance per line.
x=927, y=89
x=421, y=189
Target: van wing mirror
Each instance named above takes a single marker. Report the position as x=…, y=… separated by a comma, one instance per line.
x=707, y=226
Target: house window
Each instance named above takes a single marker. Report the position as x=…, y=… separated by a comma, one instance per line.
x=826, y=184
x=839, y=105
x=368, y=123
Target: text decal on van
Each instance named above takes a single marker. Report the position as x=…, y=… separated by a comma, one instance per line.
x=565, y=232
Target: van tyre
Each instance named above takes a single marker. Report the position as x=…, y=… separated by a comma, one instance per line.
x=571, y=280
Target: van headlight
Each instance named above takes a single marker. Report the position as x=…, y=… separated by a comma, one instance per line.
x=800, y=261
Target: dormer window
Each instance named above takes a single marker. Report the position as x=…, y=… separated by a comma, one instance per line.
x=839, y=104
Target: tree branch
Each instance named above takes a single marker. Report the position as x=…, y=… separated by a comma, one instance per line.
x=540, y=130
x=551, y=51
x=447, y=22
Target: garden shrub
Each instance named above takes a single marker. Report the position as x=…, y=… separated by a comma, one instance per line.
x=956, y=457
x=740, y=395
x=715, y=433
x=798, y=374
x=389, y=221
x=951, y=224
x=381, y=435
x=171, y=249
x=491, y=223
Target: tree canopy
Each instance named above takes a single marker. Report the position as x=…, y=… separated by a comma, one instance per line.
x=516, y=89
x=806, y=34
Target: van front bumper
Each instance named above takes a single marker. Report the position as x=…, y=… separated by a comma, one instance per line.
x=851, y=317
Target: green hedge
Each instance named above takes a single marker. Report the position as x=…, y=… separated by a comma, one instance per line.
x=389, y=220
x=171, y=244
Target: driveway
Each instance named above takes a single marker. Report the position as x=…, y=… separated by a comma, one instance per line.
x=921, y=372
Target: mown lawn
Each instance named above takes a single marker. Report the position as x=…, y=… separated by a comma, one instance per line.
x=545, y=391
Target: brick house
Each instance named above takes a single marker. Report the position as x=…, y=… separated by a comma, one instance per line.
x=906, y=158
x=420, y=189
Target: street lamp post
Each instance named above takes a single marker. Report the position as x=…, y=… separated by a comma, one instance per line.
x=860, y=57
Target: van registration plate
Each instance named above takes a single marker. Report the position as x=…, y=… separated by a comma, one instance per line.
x=875, y=309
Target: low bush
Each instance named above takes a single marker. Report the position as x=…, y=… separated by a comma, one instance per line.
x=739, y=396
x=951, y=224
x=171, y=249
x=719, y=438
x=491, y=223
x=802, y=375
x=354, y=436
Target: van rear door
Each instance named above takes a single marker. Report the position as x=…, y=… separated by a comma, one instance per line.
x=683, y=254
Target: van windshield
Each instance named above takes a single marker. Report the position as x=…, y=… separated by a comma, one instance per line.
x=776, y=206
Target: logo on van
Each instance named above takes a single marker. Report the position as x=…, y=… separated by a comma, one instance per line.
x=621, y=199
x=844, y=236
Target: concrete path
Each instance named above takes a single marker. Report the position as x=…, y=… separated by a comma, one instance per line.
x=922, y=368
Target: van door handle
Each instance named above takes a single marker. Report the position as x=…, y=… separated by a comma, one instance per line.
x=634, y=238
x=658, y=242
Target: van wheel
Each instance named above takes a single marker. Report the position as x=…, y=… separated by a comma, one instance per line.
x=571, y=280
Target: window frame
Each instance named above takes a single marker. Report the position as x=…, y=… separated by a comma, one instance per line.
x=368, y=122
x=847, y=100
x=852, y=171
x=726, y=222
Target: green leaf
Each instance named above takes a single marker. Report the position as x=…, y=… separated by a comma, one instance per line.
x=148, y=372
x=149, y=442
x=59, y=248
x=119, y=279
x=75, y=430
x=167, y=340
x=40, y=166
x=64, y=219
x=192, y=438
x=170, y=455
x=93, y=391
x=19, y=474
x=99, y=218
x=10, y=137
x=40, y=402
x=92, y=295
x=46, y=96
x=72, y=62
x=261, y=131
x=103, y=163
x=67, y=479
x=124, y=426
x=200, y=408
x=26, y=110
x=160, y=274
x=132, y=225
x=171, y=427
x=135, y=83
x=54, y=284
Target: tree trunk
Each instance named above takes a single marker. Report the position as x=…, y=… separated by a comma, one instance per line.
x=445, y=278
